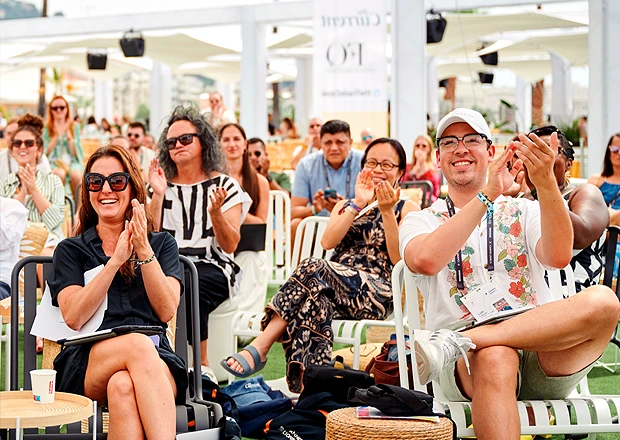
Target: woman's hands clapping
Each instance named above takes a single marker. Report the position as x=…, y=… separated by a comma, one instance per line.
x=364, y=188
x=386, y=197
x=138, y=228
x=28, y=178
x=124, y=247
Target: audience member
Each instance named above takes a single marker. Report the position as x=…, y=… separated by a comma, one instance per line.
x=354, y=284
x=312, y=142
x=218, y=114
x=121, y=141
x=13, y=221
x=139, y=276
x=271, y=127
x=423, y=166
x=63, y=147
x=288, y=130
x=105, y=125
x=260, y=161
x=528, y=356
x=201, y=207
x=325, y=177
x=586, y=210
x=142, y=155
x=583, y=129
x=8, y=164
x=149, y=142
x=366, y=137
x=124, y=124
x=609, y=180
x=91, y=129
x=41, y=193
x=8, y=132
x=250, y=254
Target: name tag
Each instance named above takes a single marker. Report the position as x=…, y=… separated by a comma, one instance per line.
x=488, y=300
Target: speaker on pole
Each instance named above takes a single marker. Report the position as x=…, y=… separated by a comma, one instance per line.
x=443, y=82
x=96, y=61
x=435, y=27
x=486, y=77
x=490, y=59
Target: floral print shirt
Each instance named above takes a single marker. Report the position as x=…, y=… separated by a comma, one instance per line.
x=516, y=225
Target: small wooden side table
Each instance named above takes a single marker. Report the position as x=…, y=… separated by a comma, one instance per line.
x=19, y=411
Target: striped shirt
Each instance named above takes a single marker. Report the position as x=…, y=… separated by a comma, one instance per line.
x=186, y=217
x=52, y=189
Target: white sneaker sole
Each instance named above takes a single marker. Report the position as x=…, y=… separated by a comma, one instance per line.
x=422, y=361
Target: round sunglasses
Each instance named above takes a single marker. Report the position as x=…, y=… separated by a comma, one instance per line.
x=184, y=139
x=94, y=181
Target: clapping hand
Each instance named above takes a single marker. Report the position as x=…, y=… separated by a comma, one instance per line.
x=138, y=227
x=28, y=178
x=538, y=158
x=386, y=197
x=124, y=247
x=364, y=188
x=216, y=199
x=500, y=179
x=157, y=178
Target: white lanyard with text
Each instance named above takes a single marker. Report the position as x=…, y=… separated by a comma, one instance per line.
x=348, y=175
x=458, y=258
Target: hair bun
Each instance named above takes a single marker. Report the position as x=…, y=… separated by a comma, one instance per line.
x=32, y=121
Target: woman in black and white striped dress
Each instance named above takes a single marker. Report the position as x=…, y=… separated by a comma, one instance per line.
x=41, y=193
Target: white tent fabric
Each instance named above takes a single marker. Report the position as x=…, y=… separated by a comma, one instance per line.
x=530, y=70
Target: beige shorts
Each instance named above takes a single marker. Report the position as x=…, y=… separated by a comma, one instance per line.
x=532, y=384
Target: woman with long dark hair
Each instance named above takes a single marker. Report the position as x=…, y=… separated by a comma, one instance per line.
x=353, y=284
x=137, y=271
x=609, y=180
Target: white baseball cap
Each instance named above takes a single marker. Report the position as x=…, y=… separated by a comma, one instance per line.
x=471, y=117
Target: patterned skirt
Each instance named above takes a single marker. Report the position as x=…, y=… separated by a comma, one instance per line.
x=318, y=291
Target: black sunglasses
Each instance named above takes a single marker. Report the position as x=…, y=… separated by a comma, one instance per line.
x=184, y=139
x=58, y=107
x=95, y=181
x=136, y=135
x=18, y=143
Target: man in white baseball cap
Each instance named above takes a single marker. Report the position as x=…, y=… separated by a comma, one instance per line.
x=478, y=243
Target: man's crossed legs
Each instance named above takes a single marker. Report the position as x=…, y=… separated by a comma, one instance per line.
x=567, y=336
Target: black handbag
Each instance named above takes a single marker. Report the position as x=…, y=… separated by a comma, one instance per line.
x=337, y=381
x=393, y=400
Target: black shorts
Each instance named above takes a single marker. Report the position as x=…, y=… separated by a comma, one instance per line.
x=214, y=290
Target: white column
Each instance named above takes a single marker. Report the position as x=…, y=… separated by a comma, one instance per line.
x=604, y=91
x=432, y=99
x=524, y=104
x=253, y=101
x=104, y=100
x=409, y=83
x=561, y=91
x=227, y=90
x=303, y=94
x=161, y=97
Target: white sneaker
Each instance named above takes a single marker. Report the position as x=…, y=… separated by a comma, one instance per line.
x=436, y=350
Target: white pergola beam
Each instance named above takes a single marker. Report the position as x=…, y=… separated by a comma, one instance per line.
x=454, y=5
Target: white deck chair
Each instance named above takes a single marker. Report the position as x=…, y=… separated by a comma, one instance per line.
x=278, y=243
x=247, y=324
x=592, y=414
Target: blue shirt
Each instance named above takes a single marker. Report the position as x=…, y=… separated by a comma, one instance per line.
x=310, y=176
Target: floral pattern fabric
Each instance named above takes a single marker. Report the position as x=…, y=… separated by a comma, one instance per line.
x=355, y=284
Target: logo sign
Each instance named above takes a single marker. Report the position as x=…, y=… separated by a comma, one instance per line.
x=350, y=64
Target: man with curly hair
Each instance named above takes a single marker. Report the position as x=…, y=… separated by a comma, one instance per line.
x=200, y=206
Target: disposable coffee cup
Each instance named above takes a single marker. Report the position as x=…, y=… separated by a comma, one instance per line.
x=43, y=385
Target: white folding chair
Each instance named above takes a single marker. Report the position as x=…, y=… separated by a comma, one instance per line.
x=592, y=414
x=278, y=243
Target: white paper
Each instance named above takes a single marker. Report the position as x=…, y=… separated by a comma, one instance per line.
x=49, y=323
x=488, y=301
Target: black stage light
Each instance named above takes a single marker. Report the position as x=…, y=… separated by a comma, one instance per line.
x=443, y=82
x=490, y=59
x=485, y=77
x=435, y=27
x=96, y=61
x=132, y=44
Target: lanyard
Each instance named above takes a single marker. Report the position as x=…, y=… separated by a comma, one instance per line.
x=458, y=258
x=348, y=176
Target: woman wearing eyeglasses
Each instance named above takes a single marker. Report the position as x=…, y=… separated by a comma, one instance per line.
x=201, y=207
x=423, y=165
x=41, y=193
x=137, y=271
x=63, y=147
x=609, y=180
x=354, y=284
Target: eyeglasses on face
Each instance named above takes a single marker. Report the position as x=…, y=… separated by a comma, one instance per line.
x=135, y=135
x=184, y=139
x=94, y=181
x=371, y=164
x=367, y=137
x=29, y=143
x=59, y=108
x=472, y=141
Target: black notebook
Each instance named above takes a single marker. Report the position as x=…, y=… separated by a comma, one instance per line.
x=100, y=335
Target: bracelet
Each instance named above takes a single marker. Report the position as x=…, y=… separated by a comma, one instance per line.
x=314, y=210
x=351, y=207
x=137, y=262
x=484, y=199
